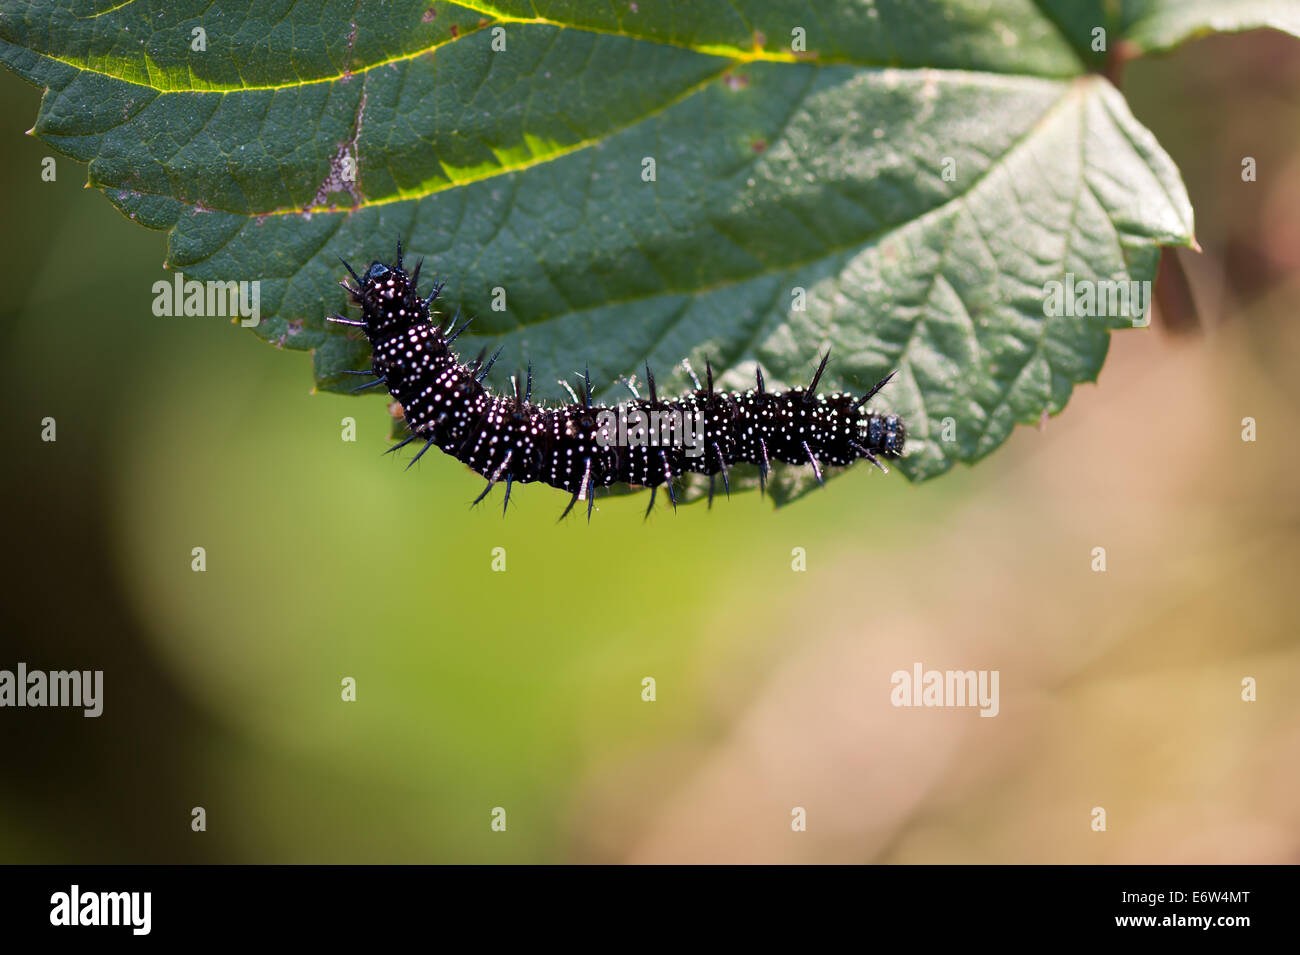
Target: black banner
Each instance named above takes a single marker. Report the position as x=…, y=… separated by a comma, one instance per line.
x=210, y=903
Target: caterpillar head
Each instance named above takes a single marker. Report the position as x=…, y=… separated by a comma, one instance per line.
x=883, y=433
x=389, y=301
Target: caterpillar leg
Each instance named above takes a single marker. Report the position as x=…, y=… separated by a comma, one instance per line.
x=401, y=444
x=722, y=462
x=866, y=453
x=812, y=459
x=419, y=454
x=485, y=493
x=369, y=384
x=584, y=491
x=492, y=480
x=586, y=482
x=668, y=474
x=510, y=480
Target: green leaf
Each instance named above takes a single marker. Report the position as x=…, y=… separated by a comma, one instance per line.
x=799, y=199
x=1163, y=24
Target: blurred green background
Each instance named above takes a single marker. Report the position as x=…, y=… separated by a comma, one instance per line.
x=522, y=689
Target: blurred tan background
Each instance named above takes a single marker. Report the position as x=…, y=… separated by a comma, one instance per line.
x=523, y=690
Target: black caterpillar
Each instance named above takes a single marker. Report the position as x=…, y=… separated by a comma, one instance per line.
x=581, y=447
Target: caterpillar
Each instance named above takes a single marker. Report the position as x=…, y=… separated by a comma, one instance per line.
x=580, y=446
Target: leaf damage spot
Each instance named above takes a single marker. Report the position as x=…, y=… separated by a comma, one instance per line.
x=347, y=57
x=345, y=166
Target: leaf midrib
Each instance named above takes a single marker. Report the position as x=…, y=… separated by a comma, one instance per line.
x=735, y=54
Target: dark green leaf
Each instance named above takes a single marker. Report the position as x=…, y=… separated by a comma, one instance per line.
x=799, y=202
